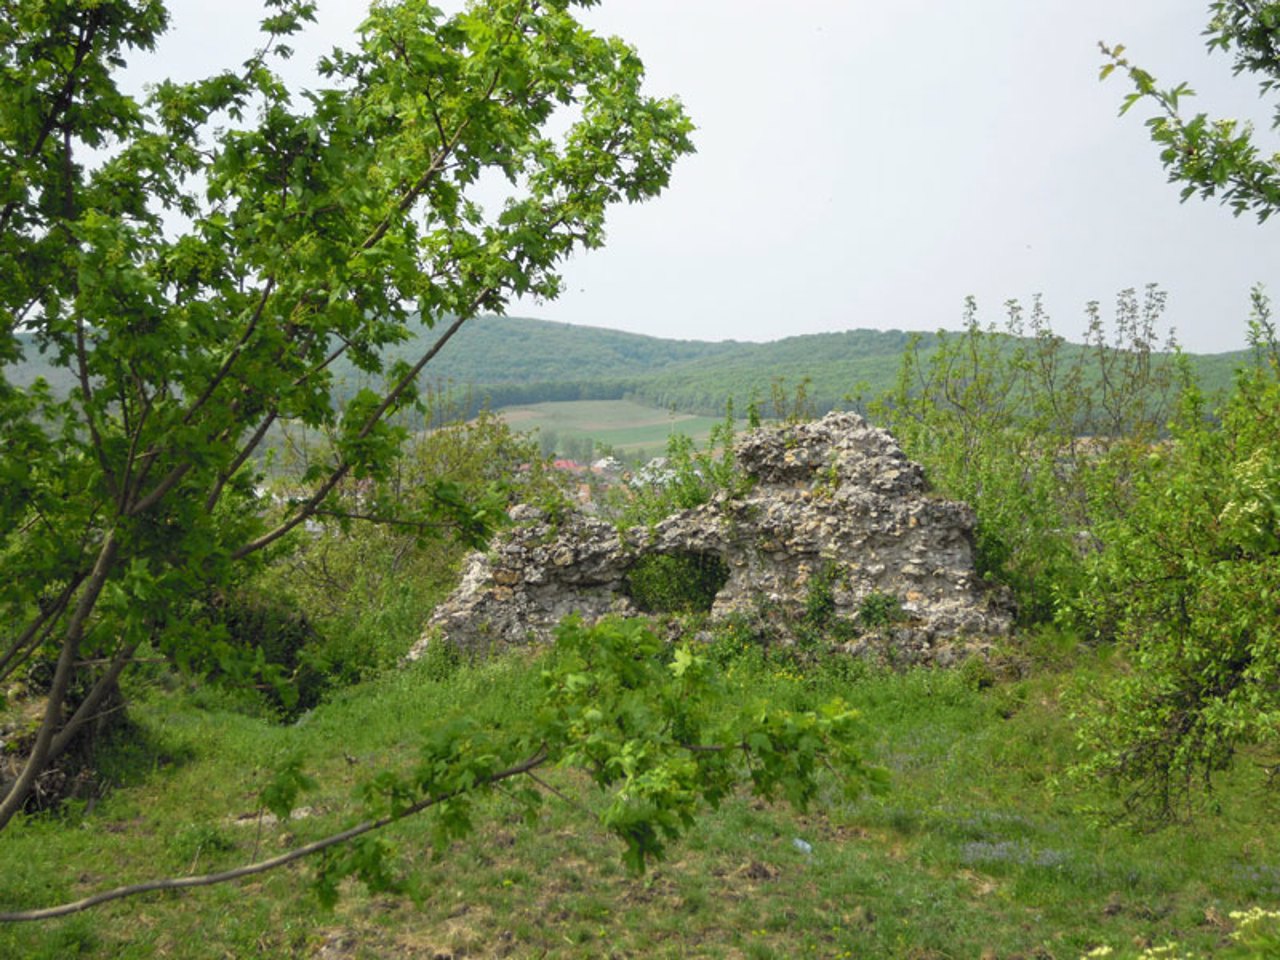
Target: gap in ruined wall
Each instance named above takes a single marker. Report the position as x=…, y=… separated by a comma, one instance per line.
x=676, y=582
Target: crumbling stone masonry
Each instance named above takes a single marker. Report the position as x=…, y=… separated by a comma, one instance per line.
x=835, y=498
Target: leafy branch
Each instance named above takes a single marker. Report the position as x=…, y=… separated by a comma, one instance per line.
x=657, y=728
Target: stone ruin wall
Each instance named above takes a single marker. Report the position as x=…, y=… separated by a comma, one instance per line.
x=835, y=497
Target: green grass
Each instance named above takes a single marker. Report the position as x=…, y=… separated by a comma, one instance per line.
x=975, y=851
x=631, y=428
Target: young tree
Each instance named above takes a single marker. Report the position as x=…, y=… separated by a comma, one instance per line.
x=197, y=262
x=1037, y=435
x=1189, y=581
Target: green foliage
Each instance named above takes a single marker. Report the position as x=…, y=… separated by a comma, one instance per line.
x=676, y=582
x=880, y=610
x=1038, y=438
x=688, y=478
x=659, y=728
x=656, y=727
x=195, y=839
x=1188, y=580
x=1257, y=933
x=1187, y=577
x=816, y=627
x=1256, y=937
x=1216, y=158
x=197, y=261
x=521, y=362
x=971, y=839
x=280, y=796
x=441, y=659
x=271, y=644
x=513, y=360
x=820, y=598
x=375, y=560
x=794, y=406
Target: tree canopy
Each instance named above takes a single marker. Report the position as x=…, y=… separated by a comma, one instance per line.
x=198, y=260
x=1188, y=579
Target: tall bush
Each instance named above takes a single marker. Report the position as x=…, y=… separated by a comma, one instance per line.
x=1038, y=435
x=1188, y=581
x=373, y=564
x=196, y=261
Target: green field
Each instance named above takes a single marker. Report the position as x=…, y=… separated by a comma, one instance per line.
x=632, y=429
x=978, y=849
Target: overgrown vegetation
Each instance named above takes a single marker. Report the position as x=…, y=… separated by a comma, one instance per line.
x=1188, y=582
x=198, y=260
x=1111, y=497
x=658, y=728
x=1041, y=439
x=686, y=478
x=676, y=582
x=972, y=847
x=1135, y=518
x=370, y=567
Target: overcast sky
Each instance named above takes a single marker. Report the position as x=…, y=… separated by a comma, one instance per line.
x=863, y=164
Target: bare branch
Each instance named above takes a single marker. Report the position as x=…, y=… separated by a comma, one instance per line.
x=234, y=354
x=210, y=879
x=38, y=758
x=312, y=504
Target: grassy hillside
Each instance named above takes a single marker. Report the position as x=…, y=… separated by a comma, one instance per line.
x=976, y=850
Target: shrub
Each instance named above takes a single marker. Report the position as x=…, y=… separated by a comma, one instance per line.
x=368, y=587
x=880, y=610
x=1188, y=580
x=1038, y=435
x=690, y=478
x=265, y=643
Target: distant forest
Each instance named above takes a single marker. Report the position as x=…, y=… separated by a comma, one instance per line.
x=503, y=361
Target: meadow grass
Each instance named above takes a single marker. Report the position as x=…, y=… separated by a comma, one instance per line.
x=976, y=850
x=626, y=426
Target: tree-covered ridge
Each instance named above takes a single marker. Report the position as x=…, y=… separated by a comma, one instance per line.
x=496, y=350
x=520, y=360
x=834, y=364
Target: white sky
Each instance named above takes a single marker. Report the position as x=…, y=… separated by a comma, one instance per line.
x=864, y=164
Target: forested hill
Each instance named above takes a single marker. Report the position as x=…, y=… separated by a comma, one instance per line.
x=516, y=360
x=493, y=350
x=510, y=360
x=834, y=365
x=497, y=350
x=519, y=360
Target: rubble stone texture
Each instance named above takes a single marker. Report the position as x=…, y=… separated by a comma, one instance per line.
x=835, y=498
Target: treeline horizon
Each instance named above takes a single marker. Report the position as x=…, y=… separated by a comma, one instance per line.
x=496, y=362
